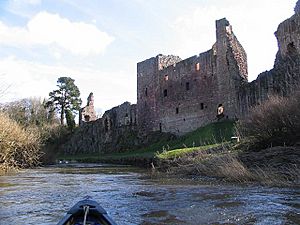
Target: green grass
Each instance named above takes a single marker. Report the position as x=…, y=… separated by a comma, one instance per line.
x=210, y=134
x=96, y=157
x=207, y=137
x=183, y=151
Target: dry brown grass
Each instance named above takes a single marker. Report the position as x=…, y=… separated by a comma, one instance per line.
x=227, y=167
x=19, y=148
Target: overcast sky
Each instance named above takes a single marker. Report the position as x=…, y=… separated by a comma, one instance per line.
x=99, y=42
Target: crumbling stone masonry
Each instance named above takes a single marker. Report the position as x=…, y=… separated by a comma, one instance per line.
x=284, y=78
x=113, y=132
x=178, y=96
x=87, y=113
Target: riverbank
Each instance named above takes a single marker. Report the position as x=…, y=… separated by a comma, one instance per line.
x=214, y=133
x=219, y=158
x=276, y=166
x=226, y=162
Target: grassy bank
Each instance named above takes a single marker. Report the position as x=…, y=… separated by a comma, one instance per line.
x=209, y=151
x=207, y=135
x=274, y=166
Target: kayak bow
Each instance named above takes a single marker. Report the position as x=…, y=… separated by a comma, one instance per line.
x=86, y=212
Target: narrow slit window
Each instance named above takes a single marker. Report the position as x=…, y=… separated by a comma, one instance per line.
x=146, y=92
x=197, y=66
x=187, y=86
x=201, y=106
x=177, y=110
x=106, y=125
x=165, y=93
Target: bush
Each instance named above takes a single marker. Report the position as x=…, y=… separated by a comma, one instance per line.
x=276, y=122
x=19, y=148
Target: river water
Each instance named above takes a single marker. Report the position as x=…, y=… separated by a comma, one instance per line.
x=42, y=196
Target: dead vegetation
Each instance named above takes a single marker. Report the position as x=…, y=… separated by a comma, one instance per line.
x=225, y=164
x=19, y=148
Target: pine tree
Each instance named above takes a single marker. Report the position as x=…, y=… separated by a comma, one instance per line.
x=66, y=97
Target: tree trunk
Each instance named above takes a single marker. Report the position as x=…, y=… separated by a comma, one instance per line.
x=62, y=113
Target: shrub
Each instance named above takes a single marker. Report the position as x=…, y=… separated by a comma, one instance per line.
x=275, y=122
x=19, y=148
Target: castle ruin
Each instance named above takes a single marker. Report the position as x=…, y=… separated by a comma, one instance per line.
x=178, y=96
x=88, y=113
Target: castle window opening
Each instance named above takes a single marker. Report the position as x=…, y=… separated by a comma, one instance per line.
x=166, y=77
x=177, y=110
x=87, y=118
x=187, y=86
x=165, y=93
x=291, y=49
x=146, y=92
x=220, y=111
x=126, y=115
x=197, y=66
x=106, y=125
x=202, y=106
x=160, y=128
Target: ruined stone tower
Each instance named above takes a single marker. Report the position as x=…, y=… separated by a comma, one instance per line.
x=88, y=113
x=284, y=78
x=178, y=96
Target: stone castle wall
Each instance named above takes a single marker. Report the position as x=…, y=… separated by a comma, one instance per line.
x=284, y=78
x=88, y=113
x=179, y=96
x=112, y=132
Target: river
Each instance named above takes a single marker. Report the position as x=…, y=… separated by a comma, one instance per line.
x=43, y=195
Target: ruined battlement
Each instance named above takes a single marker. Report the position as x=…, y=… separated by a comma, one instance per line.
x=167, y=60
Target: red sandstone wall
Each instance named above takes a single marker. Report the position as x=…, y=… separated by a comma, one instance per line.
x=179, y=96
x=190, y=94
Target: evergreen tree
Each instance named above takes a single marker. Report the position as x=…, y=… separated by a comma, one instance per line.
x=66, y=97
x=70, y=120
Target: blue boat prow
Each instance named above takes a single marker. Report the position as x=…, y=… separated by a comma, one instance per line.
x=87, y=212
